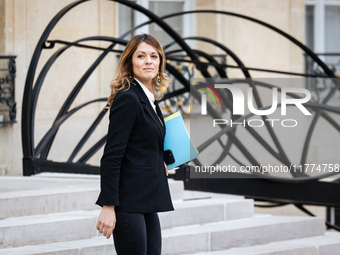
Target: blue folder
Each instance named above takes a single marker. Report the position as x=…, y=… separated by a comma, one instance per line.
x=178, y=140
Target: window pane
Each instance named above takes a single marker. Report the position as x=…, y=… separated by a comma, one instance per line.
x=161, y=9
x=126, y=20
x=310, y=26
x=332, y=34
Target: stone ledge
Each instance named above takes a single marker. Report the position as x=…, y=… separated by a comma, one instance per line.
x=328, y=244
x=24, y=196
x=17, y=231
x=100, y=245
x=260, y=229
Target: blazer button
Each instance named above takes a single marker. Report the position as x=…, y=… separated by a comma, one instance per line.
x=161, y=152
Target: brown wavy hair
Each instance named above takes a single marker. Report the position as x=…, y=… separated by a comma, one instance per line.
x=124, y=69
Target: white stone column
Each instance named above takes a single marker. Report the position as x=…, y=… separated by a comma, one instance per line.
x=319, y=26
x=141, y=18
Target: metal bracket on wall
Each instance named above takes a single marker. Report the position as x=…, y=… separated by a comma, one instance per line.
x=7, y=90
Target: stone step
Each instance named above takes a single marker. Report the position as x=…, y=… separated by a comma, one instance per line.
x=200, y=211
x=91, y=246
x=190, y=194
x=24, y=196
x=18, y=231
x=260, y=229
x=328, y=244
x=176, y=189
x=45, y=201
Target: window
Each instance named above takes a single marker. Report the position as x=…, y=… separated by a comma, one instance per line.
x=323, y=30
x=183, y=25
x=332, y=34
x=310, y=26
x=323, y=36
x=164, y=8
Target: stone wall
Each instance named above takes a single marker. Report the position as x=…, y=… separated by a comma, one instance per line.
x=23, y=21
x=21, y=27
x=256, y=45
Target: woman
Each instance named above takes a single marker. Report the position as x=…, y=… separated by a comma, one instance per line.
x=134, y=184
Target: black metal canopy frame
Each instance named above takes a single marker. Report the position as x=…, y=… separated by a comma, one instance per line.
x=299, y=190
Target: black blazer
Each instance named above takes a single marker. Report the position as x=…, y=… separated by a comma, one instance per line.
x=133, y=176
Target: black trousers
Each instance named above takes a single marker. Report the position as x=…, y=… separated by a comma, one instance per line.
x=137, y=234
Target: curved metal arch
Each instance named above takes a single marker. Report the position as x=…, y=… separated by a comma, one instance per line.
x=80, y=84
x=319, y=107
x=323, y=114
x=197, y=61
x=289, y=37
x=228, y=129
x=38, y=84
x=102, y=141
x=222, y=47
x=31, y=93
x=226, y=101
x=246, y=73
x=92, y=150
x=247, y=154
x=296, y=179
x=62, y=114
x=248, y=68
x=50, y=133
x=211, y=60
x=87, y=135
x=320, y=110
x=27, y=129
x=283, y=157
x=76, y=90
x=312, y=126
x=302, y=46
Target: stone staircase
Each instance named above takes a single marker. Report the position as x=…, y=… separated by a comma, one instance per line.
x=55, y=214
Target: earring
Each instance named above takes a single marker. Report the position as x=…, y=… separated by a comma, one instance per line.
x=158, y=78
x=130, y=77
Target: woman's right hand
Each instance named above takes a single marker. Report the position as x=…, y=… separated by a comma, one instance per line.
x=107, y=221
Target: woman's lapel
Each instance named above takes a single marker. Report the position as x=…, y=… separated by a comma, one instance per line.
x=147, y=106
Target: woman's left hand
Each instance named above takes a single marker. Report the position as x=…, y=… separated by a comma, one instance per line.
x=166, y=169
